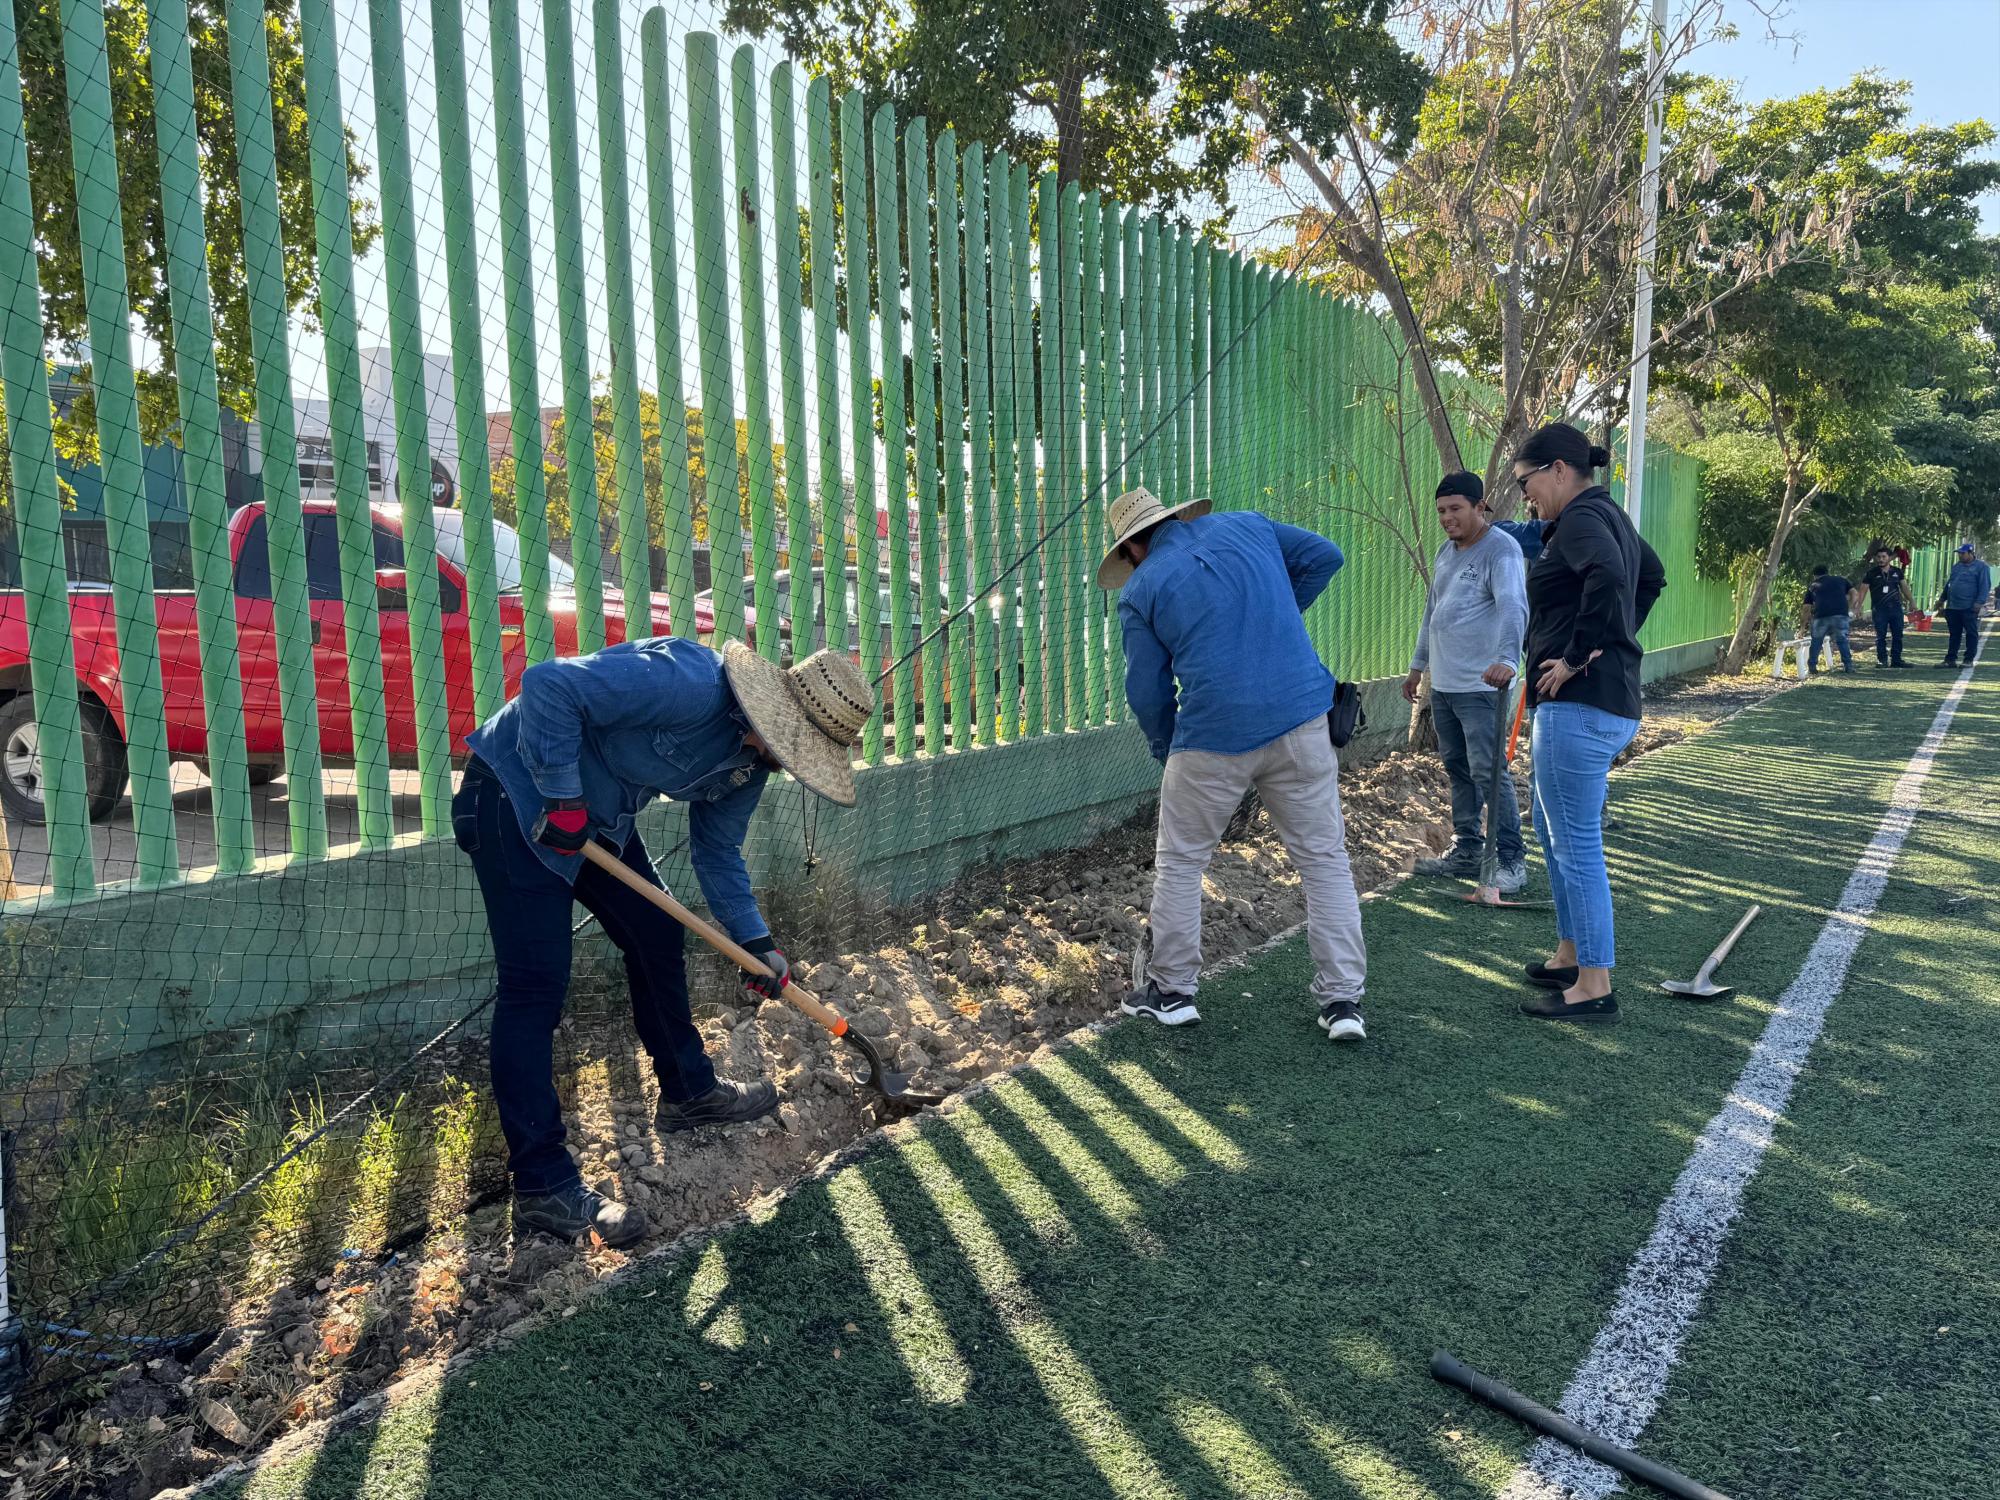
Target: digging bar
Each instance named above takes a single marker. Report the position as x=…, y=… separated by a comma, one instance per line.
x=1703, y=985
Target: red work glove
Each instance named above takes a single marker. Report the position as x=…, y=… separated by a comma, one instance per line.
x=564, y=826
x=773, y=985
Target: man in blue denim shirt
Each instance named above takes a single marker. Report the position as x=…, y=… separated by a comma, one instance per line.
x=1229, y=692
x=587, y=744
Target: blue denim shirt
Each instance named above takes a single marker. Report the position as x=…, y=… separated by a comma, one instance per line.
x=1967, y=585
x=1526, y=534
x=645, y=719
x=1216, y=606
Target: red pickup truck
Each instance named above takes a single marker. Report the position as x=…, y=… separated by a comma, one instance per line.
x=95, y=644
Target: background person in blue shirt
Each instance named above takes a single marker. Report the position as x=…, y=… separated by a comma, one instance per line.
x=1231, y=695
x=1966, y=589
x=589, y=742
x=1827, y=597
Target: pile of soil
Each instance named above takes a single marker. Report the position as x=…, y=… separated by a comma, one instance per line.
x=1003, y=964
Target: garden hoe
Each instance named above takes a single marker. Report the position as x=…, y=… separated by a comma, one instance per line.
x=1703, y=985
x=894, y=1087
x=1488, y=891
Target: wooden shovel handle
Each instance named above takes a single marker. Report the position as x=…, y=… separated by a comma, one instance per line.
x=618, y=870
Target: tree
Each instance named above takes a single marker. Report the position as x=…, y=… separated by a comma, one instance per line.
x=53, y=185
x=1818, y=352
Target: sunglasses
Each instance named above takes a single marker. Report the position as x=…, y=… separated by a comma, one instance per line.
x=1521, y=480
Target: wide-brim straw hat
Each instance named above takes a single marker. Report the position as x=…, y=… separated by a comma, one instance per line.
x=1131, y=513
x=809, y=717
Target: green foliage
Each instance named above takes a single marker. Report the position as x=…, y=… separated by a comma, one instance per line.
x=52, y=182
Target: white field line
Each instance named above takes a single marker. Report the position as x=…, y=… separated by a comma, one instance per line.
x=1617, y=1388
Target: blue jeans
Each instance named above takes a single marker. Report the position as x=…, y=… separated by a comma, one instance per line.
x=1469, y=736
x=1833, y=628
x=1574, y=747
x=1888, y=635
x=1964, y=627
x=528, y=908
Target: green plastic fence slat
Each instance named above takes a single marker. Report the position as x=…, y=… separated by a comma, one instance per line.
x=1034, y=221
x=1070, y=263
x=861, y=410
x=202, y=478
x=951, y=362
x=621, y=318
x=1204, y=387
x=663, y=211
x=413, y=449
x=517, y=235
x=895, y=441
x=94, y=158
x=361, y=629
x=826, y=359
x=791, y=344
x=1090, y=599
x=1006, y=535
x=1053, y=647
x=270, y=349
x=750, y=225
x=37, y=499
x=1121, y=281
x=712, y=297
x=468, y=360
x=586, y=536
x=924, y=399
x=980, y=402
x=1153, y=331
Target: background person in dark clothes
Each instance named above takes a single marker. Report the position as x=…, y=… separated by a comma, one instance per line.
x=1826, y=596
x=1888, y=600
x=1589, y=592
x=1965, y=593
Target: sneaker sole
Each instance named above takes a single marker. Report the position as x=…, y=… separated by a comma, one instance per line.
x=1186, y=1016
x=1347, y=1031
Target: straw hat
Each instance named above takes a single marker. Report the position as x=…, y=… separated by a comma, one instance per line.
x=809, y=717
x=1131, y=513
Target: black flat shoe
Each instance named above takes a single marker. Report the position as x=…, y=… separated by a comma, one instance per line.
x=1553, y=1007
x=1549, y=977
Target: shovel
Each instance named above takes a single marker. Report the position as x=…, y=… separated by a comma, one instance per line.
x=1703, y=985
x=1487, y=893
x=892, y=1086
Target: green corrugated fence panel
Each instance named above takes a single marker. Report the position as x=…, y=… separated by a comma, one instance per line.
x=924, y=420
x=712, y=290
x=979, y=398
x=628, y=466
x=792, y=344
x=952, y=277
x=826, y=358
x=755, y=345
x=854, y=186
x=1000, y=224
x=895, y=441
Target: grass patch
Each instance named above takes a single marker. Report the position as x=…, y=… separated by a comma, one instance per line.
x=1214, y=1261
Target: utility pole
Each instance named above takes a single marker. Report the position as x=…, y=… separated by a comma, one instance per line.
x=1649, y=228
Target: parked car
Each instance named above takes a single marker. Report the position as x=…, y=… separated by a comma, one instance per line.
x=100, y=690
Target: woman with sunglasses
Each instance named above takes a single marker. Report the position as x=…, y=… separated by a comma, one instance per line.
x=1589, y=590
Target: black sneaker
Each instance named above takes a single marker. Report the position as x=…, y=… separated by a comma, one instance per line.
x=1453, y=866
x=1901, y=666
x=1341, y=1021
x=1550, y=976
x=1554, y=1008
x=1164, y=1006
x=725, y=1104
x=573, y=1212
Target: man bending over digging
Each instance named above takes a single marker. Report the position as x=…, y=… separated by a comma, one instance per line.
x=589, y=742
x=1213, y=604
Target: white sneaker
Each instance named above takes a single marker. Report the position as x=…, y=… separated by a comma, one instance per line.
x=1341, y=1021
x=1510, y=878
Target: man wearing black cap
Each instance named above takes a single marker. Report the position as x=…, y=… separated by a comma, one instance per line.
x=1470, y=641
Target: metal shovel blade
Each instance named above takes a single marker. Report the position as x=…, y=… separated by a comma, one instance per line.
x=1703, y=985
x=892, y=1086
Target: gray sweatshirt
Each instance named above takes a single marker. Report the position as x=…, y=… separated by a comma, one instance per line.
x=1476, y=614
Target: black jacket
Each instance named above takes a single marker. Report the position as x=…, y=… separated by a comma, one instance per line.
x=1590, y=590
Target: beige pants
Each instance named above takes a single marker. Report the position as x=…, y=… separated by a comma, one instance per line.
x=1296, y=776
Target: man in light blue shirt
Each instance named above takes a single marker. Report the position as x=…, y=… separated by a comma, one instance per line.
x=1230, y=694
x=1475, y=617
x=587, y=744
x=1966, y=589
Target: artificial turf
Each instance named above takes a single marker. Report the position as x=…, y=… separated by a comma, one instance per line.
x=1214, y=1261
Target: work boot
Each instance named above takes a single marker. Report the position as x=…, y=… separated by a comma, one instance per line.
x=1456, y=865
x=725, y=1104
x=1164, y=1006
x=572, y=1212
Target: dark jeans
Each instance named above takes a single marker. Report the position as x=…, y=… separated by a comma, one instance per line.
x=1888, y=635
x=1964, y=626
x=1831, y=628
x=1469, y=736
x=528, y=908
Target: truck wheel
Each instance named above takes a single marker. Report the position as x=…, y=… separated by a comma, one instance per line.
x=21, y=787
